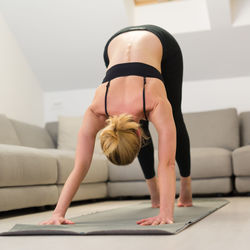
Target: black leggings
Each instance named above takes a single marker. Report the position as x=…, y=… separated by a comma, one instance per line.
x=172, y=72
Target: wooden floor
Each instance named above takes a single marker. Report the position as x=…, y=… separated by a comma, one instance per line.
x=226, y=229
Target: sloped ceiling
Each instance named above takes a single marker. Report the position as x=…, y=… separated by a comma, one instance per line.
x=63, y=40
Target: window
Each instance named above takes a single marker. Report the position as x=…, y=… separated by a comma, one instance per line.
x=143, y=2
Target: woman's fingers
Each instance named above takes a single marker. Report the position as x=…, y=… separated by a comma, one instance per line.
x=68, y=222
x=44, y=223
x=152, y=223
x=56, y=221
x=146, y=223
x=141, y=221
x=157, y=220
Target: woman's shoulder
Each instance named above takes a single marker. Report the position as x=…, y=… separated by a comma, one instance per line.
x=94, y=118
x=95, y=108
x=95, y=103
x=155, y=91
x=155, y=85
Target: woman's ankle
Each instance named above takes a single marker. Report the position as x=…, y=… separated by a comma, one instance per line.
x=153, y=186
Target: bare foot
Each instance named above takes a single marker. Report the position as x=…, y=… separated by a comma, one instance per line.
x=184, y=203
x=185, y=198
x=155, y=201
x=154, y=191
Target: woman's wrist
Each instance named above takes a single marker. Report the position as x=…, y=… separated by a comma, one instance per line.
x=167, y=185
x=58, y=214
x=166, y=214
x=166, y=217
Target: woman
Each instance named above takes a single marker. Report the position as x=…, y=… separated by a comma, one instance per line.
x=143, y=83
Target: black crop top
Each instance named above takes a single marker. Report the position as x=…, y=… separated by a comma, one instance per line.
x=131, y=68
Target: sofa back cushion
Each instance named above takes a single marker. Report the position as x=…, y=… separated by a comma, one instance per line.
x=7, y=132
x=216, y=128
x=32, y=135
x=68, y=128
x=52, y=128
x=244, y=128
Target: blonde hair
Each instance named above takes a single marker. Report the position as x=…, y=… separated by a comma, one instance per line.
x=119, y=139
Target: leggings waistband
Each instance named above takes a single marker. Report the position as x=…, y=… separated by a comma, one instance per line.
x=132, y=68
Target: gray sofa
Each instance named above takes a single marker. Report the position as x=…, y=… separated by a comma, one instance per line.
x=33, y=169
x=241, y=156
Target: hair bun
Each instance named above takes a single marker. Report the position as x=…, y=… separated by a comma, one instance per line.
x=119, y=140
x=115, y=123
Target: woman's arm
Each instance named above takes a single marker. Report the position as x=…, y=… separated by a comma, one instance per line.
x=162, y=119
x=91, y=124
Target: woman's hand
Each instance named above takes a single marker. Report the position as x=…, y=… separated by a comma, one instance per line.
x=156, y=220
x=56, y=220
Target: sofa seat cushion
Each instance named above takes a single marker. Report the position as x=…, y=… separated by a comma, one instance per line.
x=241, y=160
x=24, y=166
x=242, y=184
x=210, y=163
x=199, y=186
x=28, y=196
x=131, y=172
x=88, y=191
x=98, y=171
x=205, y=163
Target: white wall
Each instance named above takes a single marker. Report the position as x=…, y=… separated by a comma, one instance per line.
x=70, y=103
x=21, y=96
x=198, y=48
x=64, y=40
x=216, y=94
x=197, y=95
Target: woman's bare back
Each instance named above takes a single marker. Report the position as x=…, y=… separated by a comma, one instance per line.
x=125, y=93
x=136, y=46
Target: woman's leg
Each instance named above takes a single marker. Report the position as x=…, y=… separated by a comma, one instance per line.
x=172, y=75
x=173, y=84
x=172, y=71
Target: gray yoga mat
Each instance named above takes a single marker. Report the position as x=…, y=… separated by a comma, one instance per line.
x=122, y=221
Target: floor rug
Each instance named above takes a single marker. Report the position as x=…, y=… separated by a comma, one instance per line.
x=122, y=221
